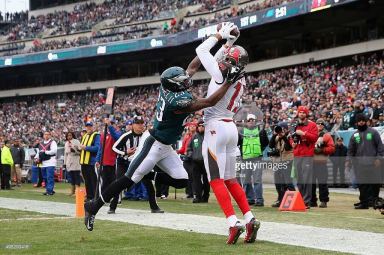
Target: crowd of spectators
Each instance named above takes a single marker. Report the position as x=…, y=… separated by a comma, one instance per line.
x=14, y=17
x=333, y=92
x=86, y=15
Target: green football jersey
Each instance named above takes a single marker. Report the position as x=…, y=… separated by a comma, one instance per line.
x=168, y=126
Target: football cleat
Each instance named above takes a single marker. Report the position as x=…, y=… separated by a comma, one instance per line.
x=251, y=231
x=234, y=233
x=89, y=218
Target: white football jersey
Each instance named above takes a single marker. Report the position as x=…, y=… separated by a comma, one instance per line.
x=228, y=105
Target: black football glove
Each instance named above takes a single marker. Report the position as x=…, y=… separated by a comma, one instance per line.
x=234, y=74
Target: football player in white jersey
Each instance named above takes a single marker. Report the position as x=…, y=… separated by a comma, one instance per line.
x=221, y=135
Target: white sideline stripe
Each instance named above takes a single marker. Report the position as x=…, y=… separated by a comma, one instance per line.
x=37, y=218
x=341, y=240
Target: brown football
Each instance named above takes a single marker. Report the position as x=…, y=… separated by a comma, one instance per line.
x=234, y=32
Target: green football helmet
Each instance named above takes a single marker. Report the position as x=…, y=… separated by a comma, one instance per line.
x=175, y=79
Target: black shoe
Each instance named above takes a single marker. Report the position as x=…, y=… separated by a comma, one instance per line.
x=276, y=203
x=307, y=206
x=259, y=204
x=250, y=202
x=158, y=210
x=357, y=204
x=313, y=204
x=89, y=218
x=196, y=200
x=48, y=194
x=362, y=206
x=323, y=205
x=204, y=200
x=111, y=211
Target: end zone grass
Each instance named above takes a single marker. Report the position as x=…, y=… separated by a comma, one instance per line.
x=68, y=236
x=339, y=214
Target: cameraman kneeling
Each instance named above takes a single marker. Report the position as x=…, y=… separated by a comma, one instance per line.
x=282, y=152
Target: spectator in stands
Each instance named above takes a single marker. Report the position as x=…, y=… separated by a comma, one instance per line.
x=18, y=156
x=72, y=161
x=6, y=166
x=90, y=144
x=47, y=158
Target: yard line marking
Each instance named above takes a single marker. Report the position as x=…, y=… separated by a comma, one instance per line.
x=37, y=218
x=341, y=240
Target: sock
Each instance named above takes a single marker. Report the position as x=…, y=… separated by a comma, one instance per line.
x=151, y=194
x=238, y=194
x=222, y=197
x=232, y=220
x=112, y=190
x=164, y=178
x=248, y=216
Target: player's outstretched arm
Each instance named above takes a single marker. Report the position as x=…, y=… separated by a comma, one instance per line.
x=194, y=66
x=201, y=103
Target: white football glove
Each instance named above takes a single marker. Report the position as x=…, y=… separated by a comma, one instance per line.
x=225, y=30
x=231, y=41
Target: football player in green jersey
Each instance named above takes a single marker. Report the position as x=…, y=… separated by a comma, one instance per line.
x=174, y=105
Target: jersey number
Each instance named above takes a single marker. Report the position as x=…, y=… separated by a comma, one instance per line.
x=233, y=98
x=160, y=111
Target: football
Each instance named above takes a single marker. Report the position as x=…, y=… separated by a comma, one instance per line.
x=234, y=32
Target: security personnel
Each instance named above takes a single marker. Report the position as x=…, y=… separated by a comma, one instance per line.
x=324, y=147
x=6, y=166
x=200, y=183
x=365, y=150
x=252, y=143
x=89, y=147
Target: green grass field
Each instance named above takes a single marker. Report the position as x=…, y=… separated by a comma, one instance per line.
x=339, y=214
x=68, y=236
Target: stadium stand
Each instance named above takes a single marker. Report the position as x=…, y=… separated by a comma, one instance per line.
x=124, y=20
x=329, y=89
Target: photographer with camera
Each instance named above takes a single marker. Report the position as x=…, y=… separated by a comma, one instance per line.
x=282, y=152
x=47, y=158
x=303, y=142
x=324, y=147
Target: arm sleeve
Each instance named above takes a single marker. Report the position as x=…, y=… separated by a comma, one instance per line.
x=263, y=139
x=52, y=149
x=312, y=134
x=190, y=148
x=95, y=146
x=379, y=144
x=114, y=133
x=22, y=156
x=98, y=155
x=272, y=142
x=119, y=144
x=330, y=145
x=351, y=147
x=219, y=54
x=208, y=61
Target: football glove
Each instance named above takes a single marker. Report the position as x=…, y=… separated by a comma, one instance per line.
x=225, y=30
